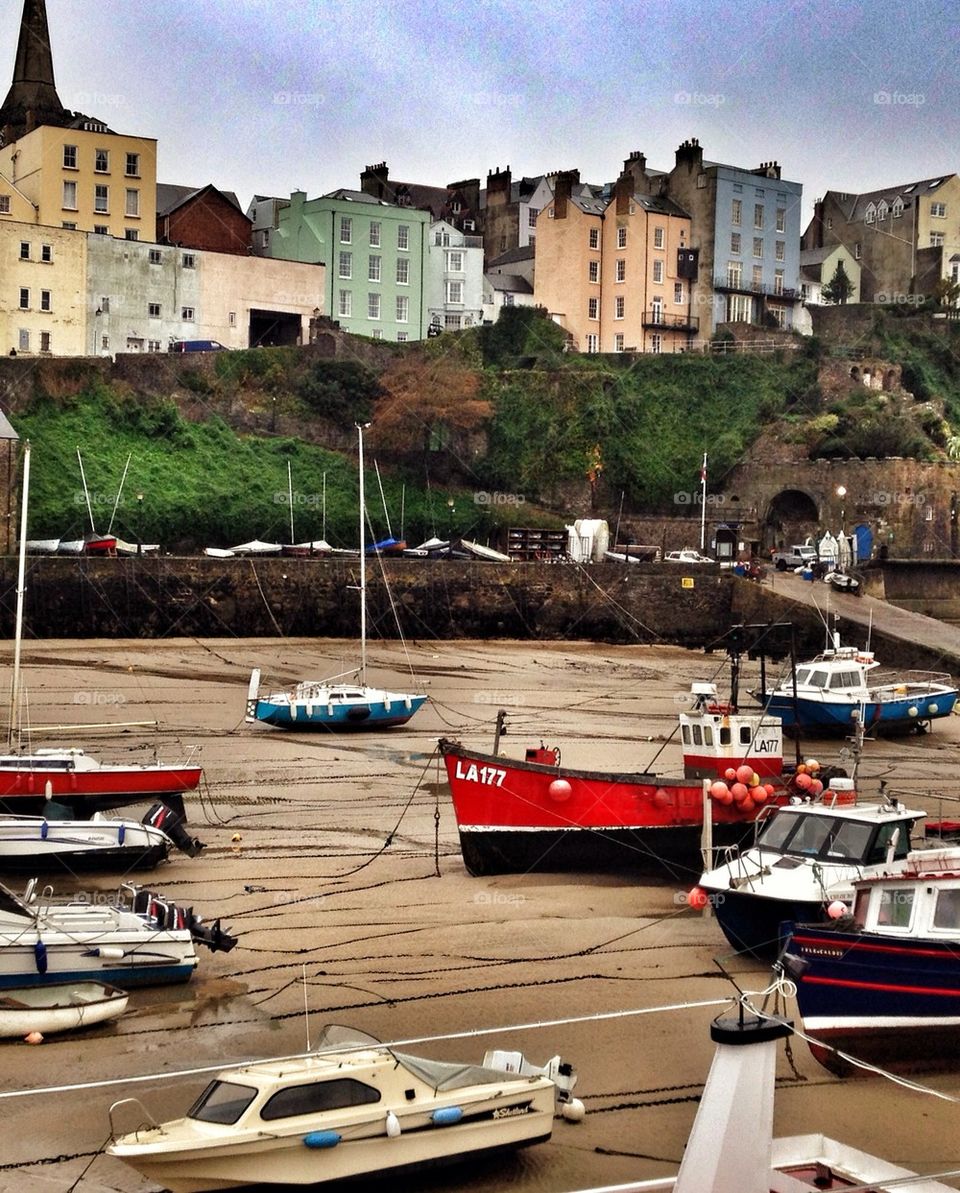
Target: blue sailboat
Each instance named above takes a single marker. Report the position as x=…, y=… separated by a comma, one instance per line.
x=344, y=702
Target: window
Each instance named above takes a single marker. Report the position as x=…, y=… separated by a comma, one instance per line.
x=897, y=209
x=345, y=306
x=98, y=229
x=104, y=343
x=69, y=157
x=869, y=214
x=24, y=250
x=101, y=199
x=131, y=234
x=938, y=209
x=896, y=908
x=857, y=251
x=593, y=308
x=222, y=1102
x=4, y=204
x=936, y=238
x=452, y=322
x=232, y=318
x=102, y=161
x=778, y=316
x=24, y=299
x=594, y=238
x=46, y=252
x=186, y=314
x=656, y=342
x=155, y=257
x=133, y=202
x=44, y=341
x=594, y=271
x=403, y=308
x=619, y=306
x=734, y=273
x=455, y=262
x=593, y=343
x=758, y=215
x=658, y=271
x=735, y=242
x=403, y=236
x=104, y=305
x=618, y=342
x=153, y=345
x=23, y=341
x=882, y=210
x=621, y=238
x=402, y=337
x=532, y=214
x=758, y=246
x=346, y=230
x=736, y=212
x=403, y=271
x=454, y=292
x=373, y=306
x=621, y=269
x=508, y=300
x=658, y=238
x=947, y=913
x=153, y=310
x=778, y=281
x=70, y=196
x=377, y=333
x=756, y=277
x=781, y=219
x=374, y=234
x=373, y=268
x=656, y=311
x=45, y=303
x=345, y=266
x=780, y=250
x=678, y=292
x=189, y=261
x=133, y=165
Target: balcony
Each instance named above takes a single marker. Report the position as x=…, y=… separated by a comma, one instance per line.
x=725, y=283
x=657, y=318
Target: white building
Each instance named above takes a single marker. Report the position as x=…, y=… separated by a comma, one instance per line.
x=453, y=278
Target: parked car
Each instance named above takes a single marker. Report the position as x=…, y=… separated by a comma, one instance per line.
x=799, y=555
x=687, y=555
x=197, y=346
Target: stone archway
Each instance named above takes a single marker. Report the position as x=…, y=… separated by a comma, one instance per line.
x=791, y=517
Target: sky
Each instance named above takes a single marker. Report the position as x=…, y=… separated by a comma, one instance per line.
x=271, y=96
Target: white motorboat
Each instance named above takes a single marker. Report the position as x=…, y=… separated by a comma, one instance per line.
x=59, y=1006
x=353, y=1107
x=138, y=939
x=806, y=857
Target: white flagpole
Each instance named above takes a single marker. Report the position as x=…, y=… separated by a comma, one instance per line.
x=703, y=504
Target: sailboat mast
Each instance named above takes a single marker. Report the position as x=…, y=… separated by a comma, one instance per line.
x=86, y=492
x=21, y=589
x=290, y=499
x=116, y=504
x=363, y=571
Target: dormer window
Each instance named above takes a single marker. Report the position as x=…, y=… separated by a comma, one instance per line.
x=870, y=214
x=882, y=210
x=897, y=209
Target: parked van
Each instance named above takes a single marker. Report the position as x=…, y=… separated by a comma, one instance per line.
x=197, y=346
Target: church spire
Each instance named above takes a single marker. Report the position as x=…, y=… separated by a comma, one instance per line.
x=32, y=99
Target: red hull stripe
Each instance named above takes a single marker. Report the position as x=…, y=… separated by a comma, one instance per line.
x=889, y=987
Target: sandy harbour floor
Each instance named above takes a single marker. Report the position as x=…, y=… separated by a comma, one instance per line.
x=398, y=940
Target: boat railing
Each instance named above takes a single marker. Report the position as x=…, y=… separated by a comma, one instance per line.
x=894, y=685
x=147, y=1123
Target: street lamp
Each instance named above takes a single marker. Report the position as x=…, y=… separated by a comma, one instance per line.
x=841, y=493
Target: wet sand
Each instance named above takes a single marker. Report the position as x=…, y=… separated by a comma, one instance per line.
x=337, y=857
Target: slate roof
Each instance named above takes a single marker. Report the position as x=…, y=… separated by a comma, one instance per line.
x=170, y=197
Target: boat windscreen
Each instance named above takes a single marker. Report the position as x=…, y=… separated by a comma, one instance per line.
x=11, y=905
x=222, y=1102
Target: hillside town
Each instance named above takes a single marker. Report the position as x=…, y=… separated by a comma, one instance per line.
x=99, y=257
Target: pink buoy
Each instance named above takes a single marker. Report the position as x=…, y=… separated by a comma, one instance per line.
x=697, y=898
x=769, y=789
x=803, y=781
x=836, y=909
x=560, y=790
x=816, y=787
x=718, y=790
x=730, y=774
x=759, y=795
x=748, y=805
x=744, y=774
x=739, y=791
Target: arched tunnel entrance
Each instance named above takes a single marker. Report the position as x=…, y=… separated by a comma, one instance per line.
x=791, y=516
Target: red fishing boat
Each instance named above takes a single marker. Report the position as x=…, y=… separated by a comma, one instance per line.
x=537, y=815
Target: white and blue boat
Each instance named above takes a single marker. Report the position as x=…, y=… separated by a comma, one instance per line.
x=883, y=983
x=345, y=702
x=841, y=686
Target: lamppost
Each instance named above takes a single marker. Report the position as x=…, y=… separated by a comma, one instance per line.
x=139, y=523
x=841, y=493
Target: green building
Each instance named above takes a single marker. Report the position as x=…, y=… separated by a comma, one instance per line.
x=373, y=252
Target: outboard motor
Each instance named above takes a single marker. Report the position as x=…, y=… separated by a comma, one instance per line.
x=172, y=824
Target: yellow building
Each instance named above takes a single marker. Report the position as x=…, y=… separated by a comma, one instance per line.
x=15, y=207
x=607, y=269
x=42, y=290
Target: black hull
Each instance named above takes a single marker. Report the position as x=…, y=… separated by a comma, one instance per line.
x=86, y=861
x=663, y=852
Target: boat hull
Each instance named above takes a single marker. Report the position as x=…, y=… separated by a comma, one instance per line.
x=25, y=787
x=837, y=716
x=752, y=923
x=31, y=845
x=338, y=718
x=894, y=1001
x=494, y=1124
x=144, y=962
x=58, y=1007
x=521, y=816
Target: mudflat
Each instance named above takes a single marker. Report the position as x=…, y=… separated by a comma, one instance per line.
x=335, y=861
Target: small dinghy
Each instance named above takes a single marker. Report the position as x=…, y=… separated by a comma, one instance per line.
x=58, y=1006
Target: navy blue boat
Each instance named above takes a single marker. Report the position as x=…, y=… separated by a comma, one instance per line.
x=883, y=984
